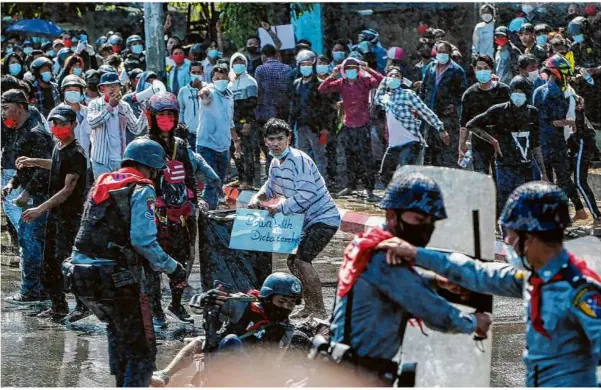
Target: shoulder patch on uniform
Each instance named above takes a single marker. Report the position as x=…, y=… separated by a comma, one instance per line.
x=588, y=301
x=520, y=275
x=150, y=205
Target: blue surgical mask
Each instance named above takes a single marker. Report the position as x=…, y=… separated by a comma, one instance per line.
x=83, y=38
x=338, y=56
x=363, y=47
x=514, y=259
x=213, y=53
x=76, y=71
x=393, y=82
x=306, y=70
x=281, y=156
x=239, y=68
x=483, y=76
x=50, y=53
x=28, y=50
x=73, y=97
x=9, y=50
x=351, y=74
x=442, y=58
x=541, y=39
x=137, y=49
x=196, y=77
x=322, y=69
x=147, y=85
x=14, y=69
x=578, y=38
x=518, y=98
x=221, y=85
x=73, y=48
x=46, y=76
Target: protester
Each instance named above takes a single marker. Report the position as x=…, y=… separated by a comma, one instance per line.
x=442, y=88
x=300, y=189
x=483, y=36
x=47, y=92
x=179, y=75
x=217, y=129
x=213, y=55
x=109, y=118
x=405, y=141
x=528, y=66
x=245, y=90
x=28, y=139
x=476, y=100
x=189, y=101
x=66, y=193
x=506, y=56
x=14, y=66
x=355, y=87
x=73, y=88
x=529, y=44
x=92, y=78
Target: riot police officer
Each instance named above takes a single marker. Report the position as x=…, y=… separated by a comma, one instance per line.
x=374, y=300
x=563, y=298
x=117, y=233
x=260, y=322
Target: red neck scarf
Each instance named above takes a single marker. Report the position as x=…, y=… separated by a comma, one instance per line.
x=116, y=180
x=537, y=284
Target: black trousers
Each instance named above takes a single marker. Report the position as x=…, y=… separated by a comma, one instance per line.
x=556, y=158
x=359, y=159
x=581, y=152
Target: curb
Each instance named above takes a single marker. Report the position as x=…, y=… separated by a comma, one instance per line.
x=352, y=221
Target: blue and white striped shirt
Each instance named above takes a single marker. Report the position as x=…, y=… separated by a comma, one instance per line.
x=303, y=189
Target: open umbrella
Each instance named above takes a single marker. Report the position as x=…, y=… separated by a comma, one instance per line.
x=35, y=26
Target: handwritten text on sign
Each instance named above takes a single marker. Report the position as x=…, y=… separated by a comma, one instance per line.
x=255, y=230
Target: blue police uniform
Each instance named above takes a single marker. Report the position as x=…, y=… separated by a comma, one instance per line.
x=570, y=314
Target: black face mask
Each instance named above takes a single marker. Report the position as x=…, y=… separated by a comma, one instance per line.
x=252, y=49
x=275, y=313
x=93, y=87
x=418, y=235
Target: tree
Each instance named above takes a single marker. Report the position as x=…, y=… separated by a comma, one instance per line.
x=242, y=19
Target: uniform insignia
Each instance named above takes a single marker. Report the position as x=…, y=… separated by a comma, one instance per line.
x=150, y=205
x=520, y=275
x=588, y=301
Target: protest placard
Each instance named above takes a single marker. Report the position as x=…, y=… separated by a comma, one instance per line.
x=255, y=230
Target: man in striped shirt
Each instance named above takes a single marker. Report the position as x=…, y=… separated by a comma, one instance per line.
x=300, y=189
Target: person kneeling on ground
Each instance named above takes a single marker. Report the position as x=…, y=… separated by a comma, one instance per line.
x=299, y=188
x=250, y=322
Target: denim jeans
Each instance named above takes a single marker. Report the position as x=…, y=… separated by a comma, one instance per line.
x=308, y=142
x=13, y=212
x=398, y=156
x=508, y=179
x=31, y=241
x=99, y=168
x=220, y=162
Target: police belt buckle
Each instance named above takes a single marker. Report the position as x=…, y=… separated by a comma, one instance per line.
x=124, y=278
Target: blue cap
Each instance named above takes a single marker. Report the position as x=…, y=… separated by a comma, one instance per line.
x=414, y=192
x=109, y=78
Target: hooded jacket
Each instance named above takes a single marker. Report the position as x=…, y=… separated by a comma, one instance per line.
x=245, y=90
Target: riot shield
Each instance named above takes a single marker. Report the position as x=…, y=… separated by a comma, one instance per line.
x=587, y=248
x=457, y=360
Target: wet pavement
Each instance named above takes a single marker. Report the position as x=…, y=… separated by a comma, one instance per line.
x=38, y=353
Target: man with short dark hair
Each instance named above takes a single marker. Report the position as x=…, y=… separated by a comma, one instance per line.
x=179, y=75
x=272, y=100
x=216, y=130
x=506, y=56
x=529, y=45
x=528, y=65
x=189, y=102
x=300, y=189
x=68, y=167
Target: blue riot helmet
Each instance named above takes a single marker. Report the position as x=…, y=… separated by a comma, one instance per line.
x=281, y=283
x=536, y=207
x=145, y=152
x=414, y=192
x=101, y=41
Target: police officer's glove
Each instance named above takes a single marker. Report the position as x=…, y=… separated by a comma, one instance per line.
x=178, y=277
x=213, y=297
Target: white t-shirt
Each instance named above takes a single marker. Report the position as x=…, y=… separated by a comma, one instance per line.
x=114, y=133
x=397, y=134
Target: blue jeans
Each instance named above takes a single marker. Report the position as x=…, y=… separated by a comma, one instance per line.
x=99, y=168
x=508, y=179
x=220, y=162
x=13, y=212
x=31, y=241
x=398, y=156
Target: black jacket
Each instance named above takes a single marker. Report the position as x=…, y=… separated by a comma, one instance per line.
x=315, y=105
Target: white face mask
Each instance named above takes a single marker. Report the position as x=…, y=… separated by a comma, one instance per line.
x=532, y=76
x=486, y=18
x=513, y=258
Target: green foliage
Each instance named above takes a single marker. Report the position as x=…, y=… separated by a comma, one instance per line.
x=241, y=20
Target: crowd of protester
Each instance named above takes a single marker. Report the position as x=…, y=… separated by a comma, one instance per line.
x=70, y=107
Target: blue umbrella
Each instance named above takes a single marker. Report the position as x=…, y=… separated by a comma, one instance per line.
x=35, y=26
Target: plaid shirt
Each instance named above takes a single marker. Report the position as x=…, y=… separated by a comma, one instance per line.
x=404, y=104
x=273, y=90
x=39, y=95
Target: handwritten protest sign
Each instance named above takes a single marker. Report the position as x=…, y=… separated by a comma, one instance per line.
x=255, y=230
